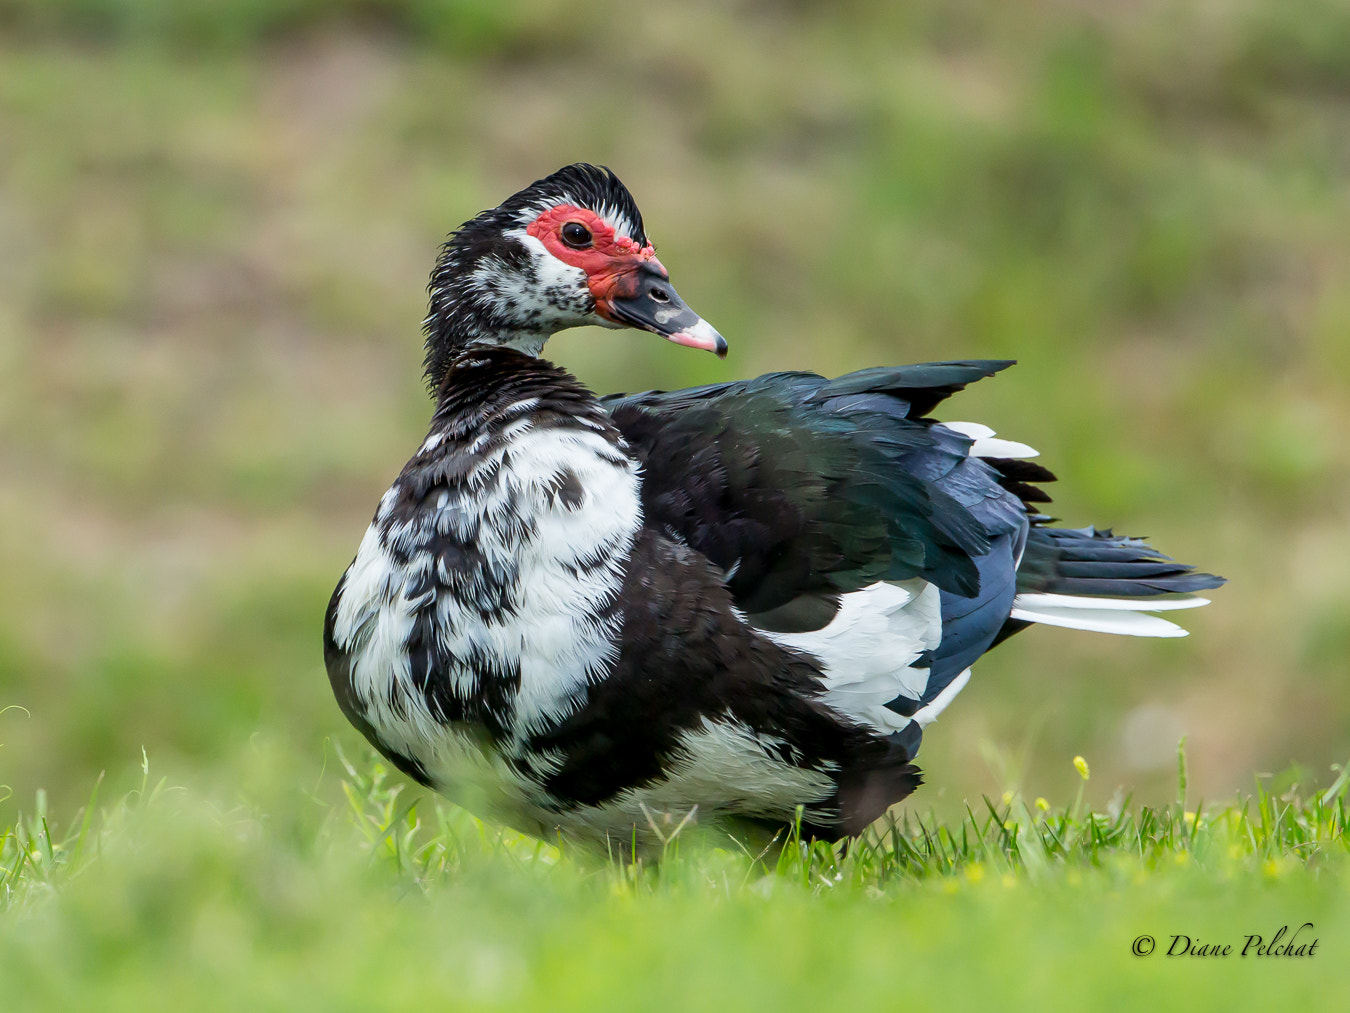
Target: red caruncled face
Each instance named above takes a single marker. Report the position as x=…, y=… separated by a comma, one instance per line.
x=630, y=286
x=583, y=239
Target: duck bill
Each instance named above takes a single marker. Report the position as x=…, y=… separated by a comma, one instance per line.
x=643, y=297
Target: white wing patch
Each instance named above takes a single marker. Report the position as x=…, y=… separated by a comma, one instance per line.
x=1127, y=616
x=985, y=445
x=867, y=649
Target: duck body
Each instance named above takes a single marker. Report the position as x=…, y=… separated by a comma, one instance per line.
x=586, y=617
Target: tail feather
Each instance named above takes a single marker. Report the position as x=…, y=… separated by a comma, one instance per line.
x=1086, y=579
x=1087, y=562
x=1111, y=619
x=1066, y=601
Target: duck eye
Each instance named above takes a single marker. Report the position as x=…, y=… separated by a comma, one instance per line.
x=576, y=235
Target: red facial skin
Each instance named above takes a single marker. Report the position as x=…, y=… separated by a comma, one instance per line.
x=610, y=262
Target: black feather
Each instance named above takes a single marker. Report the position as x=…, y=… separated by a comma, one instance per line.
x=1084, y=561
x=798, y=485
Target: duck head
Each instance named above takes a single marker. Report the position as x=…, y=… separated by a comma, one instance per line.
x=567, y=250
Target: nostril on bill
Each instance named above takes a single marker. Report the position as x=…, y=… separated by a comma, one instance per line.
x=660, y=295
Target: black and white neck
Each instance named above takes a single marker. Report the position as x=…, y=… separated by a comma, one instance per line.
x=492, y=290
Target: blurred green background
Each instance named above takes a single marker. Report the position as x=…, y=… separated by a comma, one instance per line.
x=217, y=219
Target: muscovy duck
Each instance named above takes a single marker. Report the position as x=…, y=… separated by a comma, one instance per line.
x=584, y=615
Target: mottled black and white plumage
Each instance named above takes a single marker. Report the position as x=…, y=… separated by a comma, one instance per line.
x=581, y=615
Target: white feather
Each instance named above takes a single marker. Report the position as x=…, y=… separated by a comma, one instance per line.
x=973, y=430
x=1131, y=624
x=927, y=715
x=868, y=647
x=1004, y=449
x=984, y=445
x=1127, y=616
x=372, y=622
x=1032, y=602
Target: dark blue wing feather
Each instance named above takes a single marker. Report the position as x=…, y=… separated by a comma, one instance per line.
x=797, y=485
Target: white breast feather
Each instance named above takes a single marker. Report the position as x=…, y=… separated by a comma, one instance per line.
x=525, y=531
x=561, y=645
x=372, y=623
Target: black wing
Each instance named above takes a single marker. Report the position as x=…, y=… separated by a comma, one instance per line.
x=802, y=488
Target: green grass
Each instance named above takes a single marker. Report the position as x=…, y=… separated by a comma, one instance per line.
x=367, y=895
x=216, y=221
